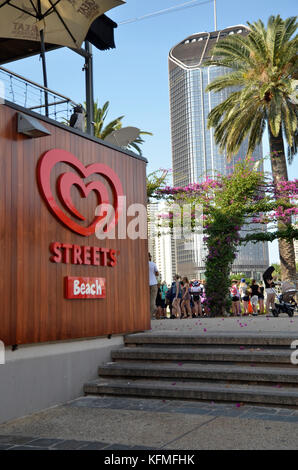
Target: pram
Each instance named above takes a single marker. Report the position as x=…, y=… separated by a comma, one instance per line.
x=286, y=302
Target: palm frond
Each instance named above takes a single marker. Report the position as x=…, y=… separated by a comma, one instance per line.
x=264, y=70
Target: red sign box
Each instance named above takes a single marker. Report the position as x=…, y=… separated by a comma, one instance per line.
x=68, y=179
x=85, y=287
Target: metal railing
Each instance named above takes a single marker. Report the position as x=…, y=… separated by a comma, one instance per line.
x=35, y=97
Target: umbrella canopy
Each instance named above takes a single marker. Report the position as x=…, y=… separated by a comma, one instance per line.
x=59, y=22
x=100, y=34
x=63, y=22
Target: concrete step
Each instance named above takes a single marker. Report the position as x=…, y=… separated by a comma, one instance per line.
x=195, y=391
x=250, y=368
x=195, y=371
x=200, y=338
x=210, y=354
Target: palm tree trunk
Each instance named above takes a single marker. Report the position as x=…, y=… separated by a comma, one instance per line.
x=279, y=172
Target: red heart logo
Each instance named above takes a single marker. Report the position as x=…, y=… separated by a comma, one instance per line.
x=67, y=180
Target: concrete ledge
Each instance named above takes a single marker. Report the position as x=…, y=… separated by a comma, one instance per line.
x=279, y=356
x=195, y=371
x=195, y=391
x=169, y=337
x=36, y=377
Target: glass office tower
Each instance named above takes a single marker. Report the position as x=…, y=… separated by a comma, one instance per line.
x=194, y=152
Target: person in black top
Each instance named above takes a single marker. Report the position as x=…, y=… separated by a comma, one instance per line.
x=269, y=284
x=261, y=299
x=267, y=277
x=254, y=296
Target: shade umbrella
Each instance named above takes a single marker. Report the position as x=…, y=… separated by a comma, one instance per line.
x=61, y=22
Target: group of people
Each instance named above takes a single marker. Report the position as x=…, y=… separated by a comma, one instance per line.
x=250, y=296
x=185, y=298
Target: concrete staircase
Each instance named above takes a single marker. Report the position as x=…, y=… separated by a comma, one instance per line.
x=247, y=368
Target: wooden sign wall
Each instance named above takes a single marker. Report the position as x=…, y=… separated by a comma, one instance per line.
x=41, y=252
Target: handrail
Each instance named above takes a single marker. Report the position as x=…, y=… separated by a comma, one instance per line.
x=37, y=85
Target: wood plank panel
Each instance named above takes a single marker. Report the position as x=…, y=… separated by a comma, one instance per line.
x=33, y=304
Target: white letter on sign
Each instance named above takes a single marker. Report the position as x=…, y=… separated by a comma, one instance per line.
x=76, y=288
x=98, y=288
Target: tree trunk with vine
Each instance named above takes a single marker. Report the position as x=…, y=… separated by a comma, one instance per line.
x=279, y=173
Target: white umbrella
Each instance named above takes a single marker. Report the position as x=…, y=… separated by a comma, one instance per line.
x=61, y=22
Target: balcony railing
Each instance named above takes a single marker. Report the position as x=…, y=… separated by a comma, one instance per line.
x=34, y=97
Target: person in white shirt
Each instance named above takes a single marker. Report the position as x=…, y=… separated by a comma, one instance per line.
x=153, y=273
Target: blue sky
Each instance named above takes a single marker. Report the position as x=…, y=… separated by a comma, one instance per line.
x=134, y=76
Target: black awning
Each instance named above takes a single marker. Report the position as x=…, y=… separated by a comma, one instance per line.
x=100, y=35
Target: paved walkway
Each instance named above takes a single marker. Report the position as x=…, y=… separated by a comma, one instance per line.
x=244, y=324
x=111, y=423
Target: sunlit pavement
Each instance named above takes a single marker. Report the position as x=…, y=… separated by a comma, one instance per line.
x=243, y=324
x=128, y=423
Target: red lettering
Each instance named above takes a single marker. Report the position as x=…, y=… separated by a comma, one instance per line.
x=113, y=259
x=104, y=252
x=95, y=256
x=76, y=254
x=66, y=253
x=86, y=255
x=55, y=249
x=89, y=255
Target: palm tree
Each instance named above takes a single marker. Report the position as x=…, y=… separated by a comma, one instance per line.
x=263, y=80
x=102, y=130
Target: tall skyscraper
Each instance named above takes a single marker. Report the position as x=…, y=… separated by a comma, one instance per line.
x=161, y=244
x=194, y=152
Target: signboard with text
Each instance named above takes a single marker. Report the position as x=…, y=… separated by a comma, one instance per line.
x=85, y=287
x=68, y=267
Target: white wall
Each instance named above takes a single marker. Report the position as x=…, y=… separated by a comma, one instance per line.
x=35, y=377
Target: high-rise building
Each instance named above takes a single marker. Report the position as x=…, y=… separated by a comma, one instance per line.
x=161, y=244
x=194, y=152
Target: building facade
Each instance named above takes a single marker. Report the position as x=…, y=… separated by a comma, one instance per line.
x=161, y=244
x=194, y=152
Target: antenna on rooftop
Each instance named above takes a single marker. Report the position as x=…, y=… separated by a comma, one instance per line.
x=215, y=19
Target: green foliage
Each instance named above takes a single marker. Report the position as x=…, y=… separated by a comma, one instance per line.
x=263, y=68
x=227, y=203
x=289, y=233
x=156, y=180
x=102, y=129
x=277, y=269
x=238, y=277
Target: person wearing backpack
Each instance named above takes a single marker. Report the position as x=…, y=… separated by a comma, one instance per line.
x=196, y=291
x=176, y=292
